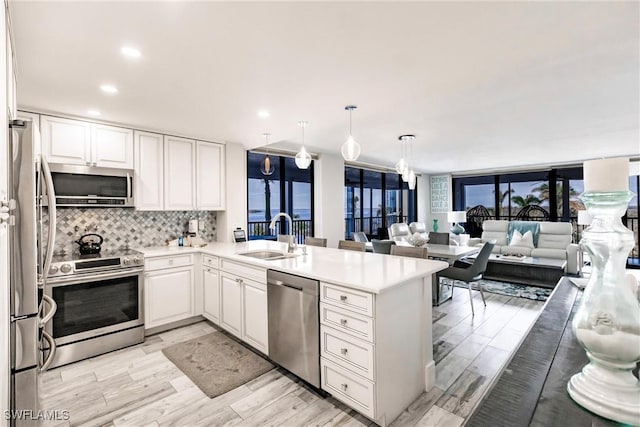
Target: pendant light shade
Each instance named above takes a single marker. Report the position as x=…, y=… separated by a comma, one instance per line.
x=403, y=167
x=350, y=149
x=412, y=179
x=303, y=158
x=402, y=164
x=266, y=166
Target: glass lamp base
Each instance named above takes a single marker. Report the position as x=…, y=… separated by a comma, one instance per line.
x=457, y=229
x=608, y=392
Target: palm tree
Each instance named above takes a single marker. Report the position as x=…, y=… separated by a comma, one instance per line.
x=543, y=190
x=528, y=200
x=502, y=195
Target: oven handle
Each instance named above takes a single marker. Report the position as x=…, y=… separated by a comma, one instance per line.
x=80, y=278
x=52, y=351
x=53, y=307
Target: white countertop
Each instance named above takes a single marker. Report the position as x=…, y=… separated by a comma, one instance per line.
x=364, y=271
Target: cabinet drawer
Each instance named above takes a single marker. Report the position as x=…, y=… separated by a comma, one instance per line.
x=210, y=261
x=347, y=321
x=349, y=388
x=159, y=263
x=347, y=351
x=360, y=302
x=246, y=271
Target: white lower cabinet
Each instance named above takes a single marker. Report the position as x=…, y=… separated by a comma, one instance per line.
x=243, y=303
x=256, y=331
x=169, y=296
x=231, y=307
x=211, y=285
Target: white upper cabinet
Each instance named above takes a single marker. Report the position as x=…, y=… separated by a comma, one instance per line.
x=66, y=141
x=112, y=147
x=210, y=173
x=149, y=166
x=75, y=142
x=179, y=174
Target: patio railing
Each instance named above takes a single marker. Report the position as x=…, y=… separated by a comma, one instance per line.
x=260, y=229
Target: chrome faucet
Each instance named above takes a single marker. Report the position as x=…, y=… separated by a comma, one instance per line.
x=291, y=245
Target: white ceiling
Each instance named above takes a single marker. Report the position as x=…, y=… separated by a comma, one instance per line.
x=482, y=85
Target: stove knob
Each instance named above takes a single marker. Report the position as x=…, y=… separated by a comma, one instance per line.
x=126, y=261
x=66, y=268
x=53, y=270
x=137, y=260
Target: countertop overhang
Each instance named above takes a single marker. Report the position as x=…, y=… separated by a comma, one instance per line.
x=365, y=271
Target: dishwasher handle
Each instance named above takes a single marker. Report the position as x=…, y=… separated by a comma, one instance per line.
x=301, y=284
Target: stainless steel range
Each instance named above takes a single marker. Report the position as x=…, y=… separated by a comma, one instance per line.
x=100, y=305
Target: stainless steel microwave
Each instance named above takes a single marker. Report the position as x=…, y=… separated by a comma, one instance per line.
x=92, y=186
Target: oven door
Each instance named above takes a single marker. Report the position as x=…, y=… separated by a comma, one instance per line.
x=95, y=304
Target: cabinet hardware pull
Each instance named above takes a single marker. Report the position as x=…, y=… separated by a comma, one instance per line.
x=343, y=297
x=343, y=321
x=343, y=351
x=344, y=386
x=170, y=262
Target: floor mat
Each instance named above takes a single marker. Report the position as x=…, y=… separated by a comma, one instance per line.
x=217, y=363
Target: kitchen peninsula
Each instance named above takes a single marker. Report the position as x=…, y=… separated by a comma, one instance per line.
x=375, y=312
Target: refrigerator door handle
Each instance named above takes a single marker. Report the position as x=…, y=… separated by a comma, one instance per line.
x=53, y=307
x=53, y=220
x=52, y=351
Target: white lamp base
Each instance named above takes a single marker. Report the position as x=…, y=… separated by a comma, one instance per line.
x=611, y=393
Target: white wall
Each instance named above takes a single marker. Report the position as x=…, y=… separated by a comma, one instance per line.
x=235, y=214
x=329, y=198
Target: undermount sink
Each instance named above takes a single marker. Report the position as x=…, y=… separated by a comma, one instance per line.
x=266, y=255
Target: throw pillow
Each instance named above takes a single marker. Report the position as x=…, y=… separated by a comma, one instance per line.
x=523, y=240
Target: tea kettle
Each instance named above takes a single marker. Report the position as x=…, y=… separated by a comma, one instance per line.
x=89, y=244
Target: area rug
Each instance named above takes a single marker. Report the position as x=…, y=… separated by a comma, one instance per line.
x=504, y=288
x=217, y=363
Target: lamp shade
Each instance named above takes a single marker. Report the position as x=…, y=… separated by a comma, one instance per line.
x=606, y=175
x=456, y=216
x=584, y=218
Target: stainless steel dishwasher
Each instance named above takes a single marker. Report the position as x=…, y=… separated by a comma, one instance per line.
x=294, y=325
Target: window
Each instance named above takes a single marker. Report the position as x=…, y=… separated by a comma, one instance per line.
x=288, y=189
x=557, y=191
x=374, y=200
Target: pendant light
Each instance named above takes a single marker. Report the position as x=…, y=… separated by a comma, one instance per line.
x=303, y=158
x=406, y=167
x=350, y=149
x=266, y=166
x=411, y=176
x=402, y=163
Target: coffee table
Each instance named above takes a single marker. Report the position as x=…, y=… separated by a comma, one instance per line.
x=544, y=272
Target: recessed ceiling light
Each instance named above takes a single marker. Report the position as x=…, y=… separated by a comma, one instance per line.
x=131, y=52
x=263, y=114
x=109, y=89
x=93, y=112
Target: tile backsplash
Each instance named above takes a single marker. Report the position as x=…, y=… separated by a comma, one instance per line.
x=127, y=228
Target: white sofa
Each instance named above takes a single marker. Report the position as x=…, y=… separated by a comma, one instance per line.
x=554, y=241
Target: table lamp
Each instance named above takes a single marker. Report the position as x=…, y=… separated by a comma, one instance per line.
x=456, y=217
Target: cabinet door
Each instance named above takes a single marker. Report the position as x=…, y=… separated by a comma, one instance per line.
x=169, y=296
x=231, y=307
x=210, y=176
x=179, y=173
x=149, y=166
x=66, y=141
x=256, y=330
x=112, y=147
x=211, y=284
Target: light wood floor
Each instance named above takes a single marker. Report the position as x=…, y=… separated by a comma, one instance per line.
x=139, y=386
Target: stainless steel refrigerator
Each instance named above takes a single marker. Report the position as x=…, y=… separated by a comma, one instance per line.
x=30, y=249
